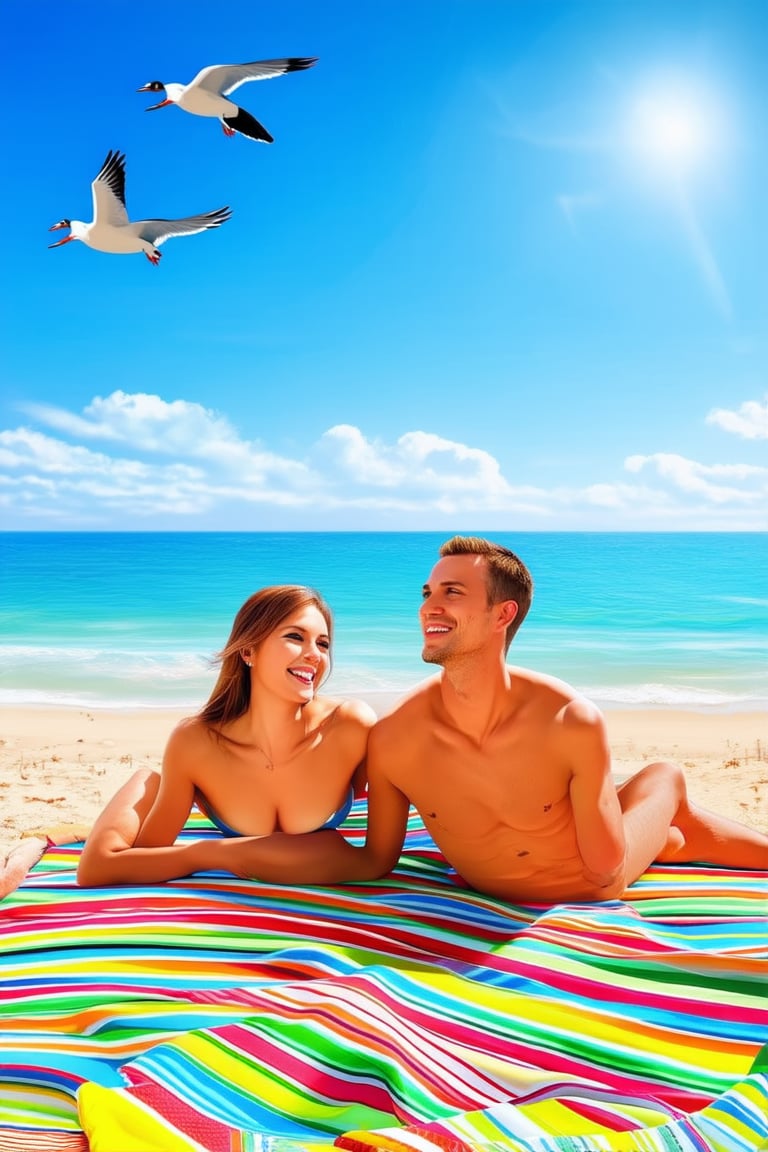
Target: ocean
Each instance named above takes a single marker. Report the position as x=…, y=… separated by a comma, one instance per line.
x=133, y=620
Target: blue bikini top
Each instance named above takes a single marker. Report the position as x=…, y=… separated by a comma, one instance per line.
x=333, y=821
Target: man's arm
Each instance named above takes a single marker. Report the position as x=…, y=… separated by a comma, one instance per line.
x=595, y=804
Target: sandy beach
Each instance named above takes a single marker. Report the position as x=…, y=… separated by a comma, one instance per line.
x=59, y=766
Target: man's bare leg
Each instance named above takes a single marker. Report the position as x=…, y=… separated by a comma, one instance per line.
x=661, y=824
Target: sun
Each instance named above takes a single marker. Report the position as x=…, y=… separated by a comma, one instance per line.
x=669, y=134
x=673, y=129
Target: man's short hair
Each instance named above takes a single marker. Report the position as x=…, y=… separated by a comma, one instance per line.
x=507, y=579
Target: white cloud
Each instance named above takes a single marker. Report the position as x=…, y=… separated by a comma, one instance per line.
x=750, y=421
x=367, y=462
x=23, y=447
x=149, y=424
x=417, y=460
x=101, y=485
x=140, y=419
x=422, y=470
x=436, y=459
x=178, y=463
x=688, y=476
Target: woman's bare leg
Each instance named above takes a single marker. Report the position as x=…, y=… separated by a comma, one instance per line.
x=661, y=824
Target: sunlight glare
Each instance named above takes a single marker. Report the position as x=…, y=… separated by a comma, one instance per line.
x=672, y=130
x=673, y=134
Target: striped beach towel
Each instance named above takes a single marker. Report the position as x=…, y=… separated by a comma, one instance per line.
x=408, y=1015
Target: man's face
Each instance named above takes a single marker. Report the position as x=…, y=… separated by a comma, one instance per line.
x=456, y=619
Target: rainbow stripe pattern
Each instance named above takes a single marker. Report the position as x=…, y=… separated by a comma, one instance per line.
x=406, y=1015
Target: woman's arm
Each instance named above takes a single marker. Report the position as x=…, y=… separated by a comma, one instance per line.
x=109, y=856
x=132, y=840
x=175, y=792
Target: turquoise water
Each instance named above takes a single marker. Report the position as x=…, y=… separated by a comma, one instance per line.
x=133, y=619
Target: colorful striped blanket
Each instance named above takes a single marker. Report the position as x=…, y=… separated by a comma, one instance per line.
x=408, y=1015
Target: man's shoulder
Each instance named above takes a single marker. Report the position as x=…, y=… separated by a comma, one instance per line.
x=412, y=708
x=554, y=701
x=540, y=685
x=580, y=717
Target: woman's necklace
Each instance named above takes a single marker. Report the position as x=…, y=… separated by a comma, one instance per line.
x=269, y=764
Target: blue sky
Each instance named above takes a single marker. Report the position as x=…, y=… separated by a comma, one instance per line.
x=504, y=267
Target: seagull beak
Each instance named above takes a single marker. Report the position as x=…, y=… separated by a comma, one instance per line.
x=156, y=88
x=64, y=240
x=162, y=104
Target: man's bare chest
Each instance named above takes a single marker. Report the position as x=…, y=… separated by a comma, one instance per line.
x=505, y=783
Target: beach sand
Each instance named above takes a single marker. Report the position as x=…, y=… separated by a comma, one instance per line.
x=60, y=766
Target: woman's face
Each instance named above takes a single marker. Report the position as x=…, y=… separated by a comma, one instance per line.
x=294, y=659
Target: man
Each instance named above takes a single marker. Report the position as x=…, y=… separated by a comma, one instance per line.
x=509, y=769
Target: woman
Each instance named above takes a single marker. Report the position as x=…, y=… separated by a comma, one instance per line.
x=266, y=753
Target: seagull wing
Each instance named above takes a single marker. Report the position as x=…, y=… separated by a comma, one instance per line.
x=157, y=231
x=108, y=191
x=222, y=79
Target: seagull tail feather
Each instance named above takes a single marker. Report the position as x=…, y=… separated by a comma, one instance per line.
x=248, y=126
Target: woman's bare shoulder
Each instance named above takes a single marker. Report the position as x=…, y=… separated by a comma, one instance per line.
x=188, y=733
x=358, y=712
x=348, y=713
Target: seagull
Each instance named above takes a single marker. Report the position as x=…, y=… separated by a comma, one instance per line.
x=111, y=231
x=206, y=94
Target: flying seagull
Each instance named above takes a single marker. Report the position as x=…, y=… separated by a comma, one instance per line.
x=111, y=230
x=206, y=95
